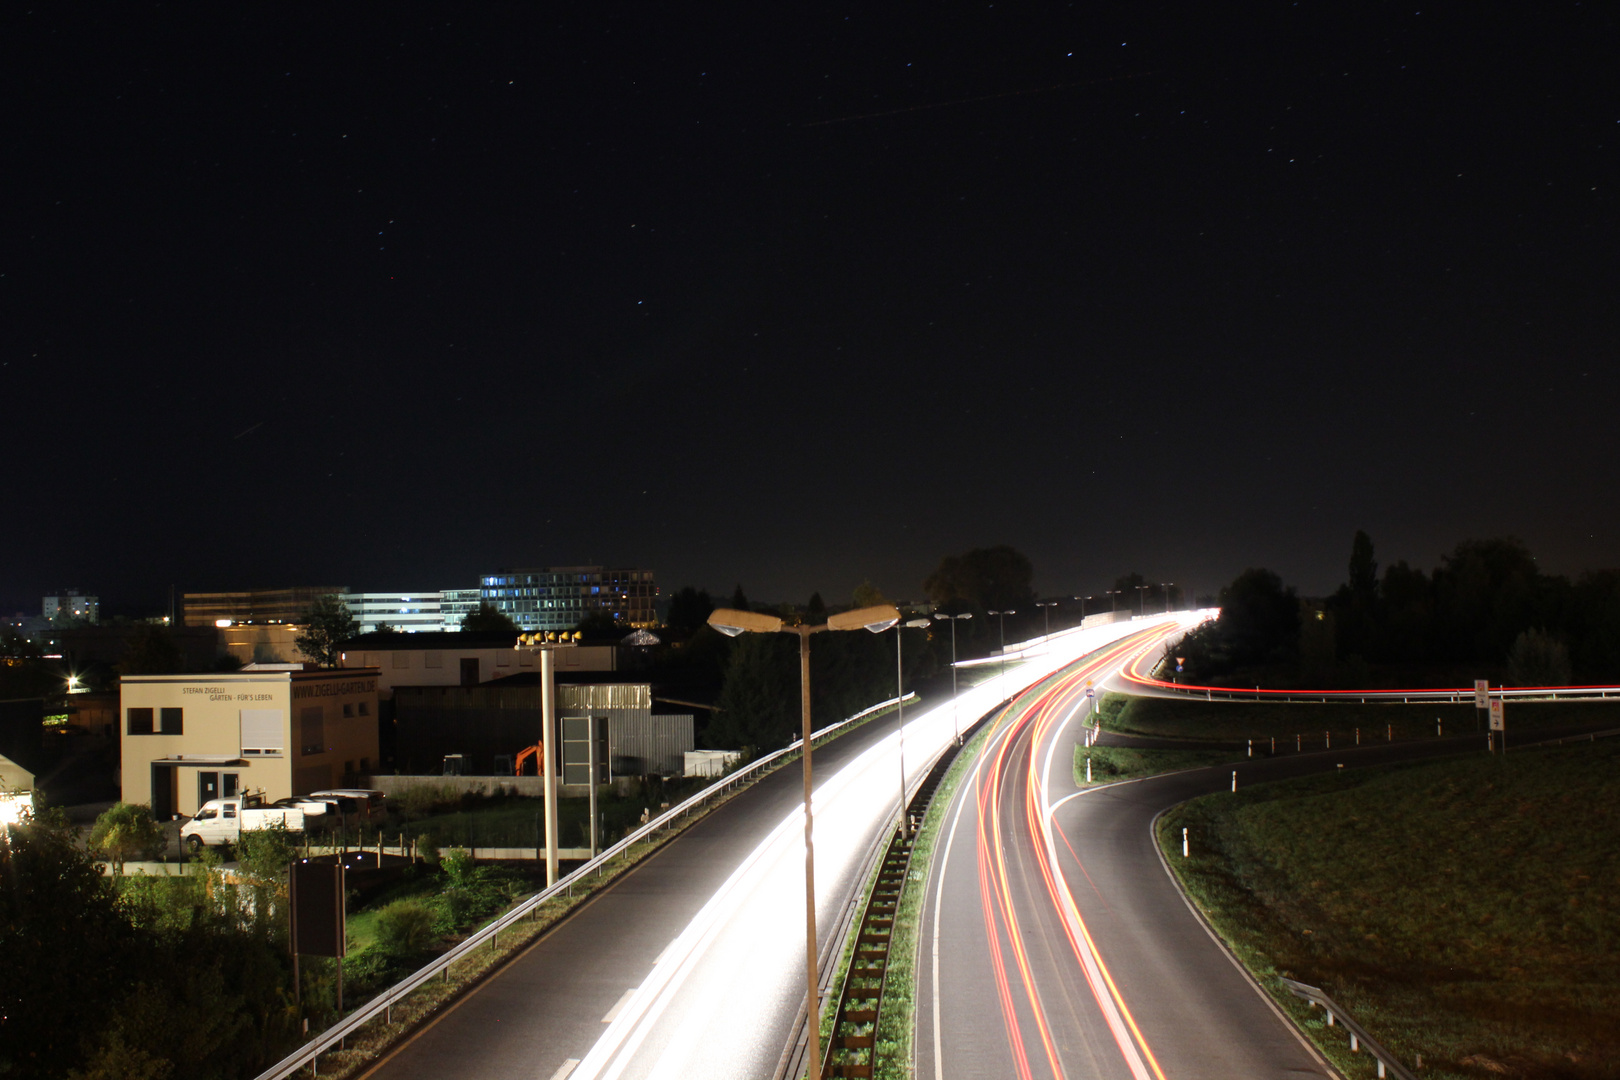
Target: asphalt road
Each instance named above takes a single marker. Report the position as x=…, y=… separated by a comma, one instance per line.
x=548, y=1006
x=1055, y=943
x=693, y=964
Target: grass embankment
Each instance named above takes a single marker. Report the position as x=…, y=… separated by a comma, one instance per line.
x=1460, y=910
x=1113, y=763
x=1262, y=721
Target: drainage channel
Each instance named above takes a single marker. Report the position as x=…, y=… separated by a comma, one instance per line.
x=852, y=1049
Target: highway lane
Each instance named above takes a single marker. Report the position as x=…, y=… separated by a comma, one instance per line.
x=708, y=933
x=1055, y=943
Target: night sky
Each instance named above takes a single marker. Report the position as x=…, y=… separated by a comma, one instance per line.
x=389, y=296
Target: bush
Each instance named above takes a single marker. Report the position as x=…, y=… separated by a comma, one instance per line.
x=126, y=831
x=405, y=927
x=1538, y=659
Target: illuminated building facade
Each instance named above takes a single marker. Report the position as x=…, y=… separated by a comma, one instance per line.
x=559, y=597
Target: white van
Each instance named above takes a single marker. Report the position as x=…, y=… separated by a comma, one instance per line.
x=222, y=821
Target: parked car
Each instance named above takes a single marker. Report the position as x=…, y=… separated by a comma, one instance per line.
x=369, y=803
x=222, y=821
x=311, y=806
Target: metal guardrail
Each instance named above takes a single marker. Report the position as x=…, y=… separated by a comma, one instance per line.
x=383, y=1004
x=1367, y=697
x=1359, y=1039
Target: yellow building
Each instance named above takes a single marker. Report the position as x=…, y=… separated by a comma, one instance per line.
x=185, y=739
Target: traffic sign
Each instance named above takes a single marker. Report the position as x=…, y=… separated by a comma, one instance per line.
x=1496, y=715
x=1482, y=693
x=1090, y=692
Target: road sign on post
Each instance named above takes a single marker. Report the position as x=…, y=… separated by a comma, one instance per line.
x=1482, y=694
x=1497, y=723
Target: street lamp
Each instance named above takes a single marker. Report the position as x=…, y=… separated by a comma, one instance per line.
x=1046, y=607
x=1113, y=602
x=1141, y=600
x=900, y=714
x=1165, y=585
x=1002, y=618
x=731, y=622
x=955, y=718
x=1083, y=600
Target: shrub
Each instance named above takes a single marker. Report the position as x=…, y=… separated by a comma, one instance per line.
x=405, y=927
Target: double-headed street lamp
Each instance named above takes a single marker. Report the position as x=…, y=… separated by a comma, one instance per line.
x=955, y=719
x=1046, y=607
x=1113, y=599
x=1165, y=585
x=1083, y=600
x=1141, y=599
x=732, y=622
x=1002, y=617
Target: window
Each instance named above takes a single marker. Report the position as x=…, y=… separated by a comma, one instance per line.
x=312, y=724
x=365, y=708
x=433, y=660
x=348, y=711
x=262, y=732
x=140, y=721
x=402, y=659
x=171, y=722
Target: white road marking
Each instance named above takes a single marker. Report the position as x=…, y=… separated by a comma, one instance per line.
x=613, y=1013
x=564, y=1069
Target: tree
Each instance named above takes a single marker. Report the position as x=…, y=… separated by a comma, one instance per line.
x=688, y=610
x=328, y=623
x=1363, y=569
x=151, y=651
x=1538, y=659
x=739, y=600
x=994, y=577
x=64, y=947
x=1259, y=617
x=815, y=611
x=868, y=595
x=600, y=624
x=759, y=699
x=486, y=619
x=126, y=831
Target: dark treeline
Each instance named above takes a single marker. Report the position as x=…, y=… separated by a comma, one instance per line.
x=1487, y=610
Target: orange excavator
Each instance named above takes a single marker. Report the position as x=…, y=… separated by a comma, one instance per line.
x=537, y=751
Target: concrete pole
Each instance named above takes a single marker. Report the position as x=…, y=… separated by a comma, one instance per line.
x=548, y=756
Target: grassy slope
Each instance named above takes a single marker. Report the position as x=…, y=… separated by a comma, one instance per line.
x=1460, y=909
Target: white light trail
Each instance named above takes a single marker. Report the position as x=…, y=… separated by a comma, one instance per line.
x=737, y=967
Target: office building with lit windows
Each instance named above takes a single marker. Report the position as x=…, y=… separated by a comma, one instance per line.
x=559, y=597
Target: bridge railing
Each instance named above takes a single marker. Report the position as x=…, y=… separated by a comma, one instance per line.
x=383, y=1003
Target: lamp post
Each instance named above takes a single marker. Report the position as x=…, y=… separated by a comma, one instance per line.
x=1002, y=618
x=1165, y=585
x=955, y=715
x=1141, y=599
x=731, y=622
x=1113, y=599
x=900, y=714
x=1083, y=600
x=1046, y=607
